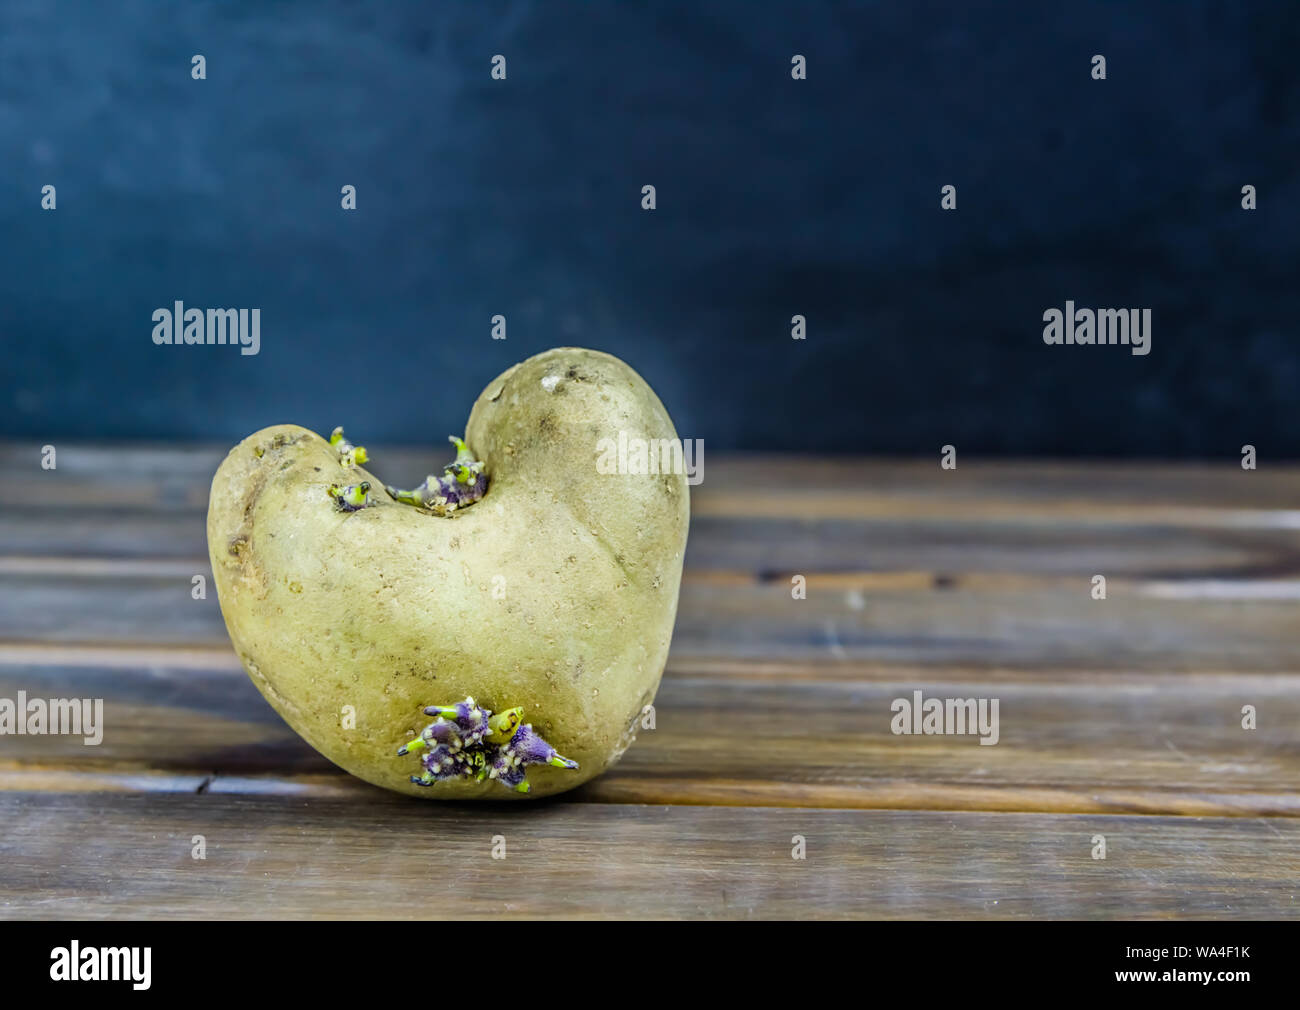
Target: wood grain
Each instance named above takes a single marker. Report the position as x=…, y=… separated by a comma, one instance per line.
x=1121, y=716
x=276, y=857
x=171, y=477
x=1049, y=627
x=1136, y=746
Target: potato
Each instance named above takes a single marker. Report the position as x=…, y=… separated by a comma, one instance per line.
x=555, y=592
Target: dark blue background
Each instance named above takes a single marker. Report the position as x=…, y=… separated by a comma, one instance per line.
x=776, y=197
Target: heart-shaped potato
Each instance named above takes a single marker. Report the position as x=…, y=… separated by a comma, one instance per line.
x=555, y=592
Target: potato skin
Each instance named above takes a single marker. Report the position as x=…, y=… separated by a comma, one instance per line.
x=388, y=609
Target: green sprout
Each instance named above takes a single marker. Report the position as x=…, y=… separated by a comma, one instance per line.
x=460, y=485
x=501, y=727
x=351, y=497
x=350, y=455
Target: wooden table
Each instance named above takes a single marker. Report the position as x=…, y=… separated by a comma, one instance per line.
x=1119, y=717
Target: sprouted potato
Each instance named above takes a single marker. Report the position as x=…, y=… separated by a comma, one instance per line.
x=521, y=597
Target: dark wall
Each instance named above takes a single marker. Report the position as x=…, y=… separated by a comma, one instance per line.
x=776, y=197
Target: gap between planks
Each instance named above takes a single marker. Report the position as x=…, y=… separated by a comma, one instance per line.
x=864, y=581
x=827, y=670
x=613, y=789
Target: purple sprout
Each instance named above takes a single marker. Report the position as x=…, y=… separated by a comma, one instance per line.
x=461, y=483
x=468, y=741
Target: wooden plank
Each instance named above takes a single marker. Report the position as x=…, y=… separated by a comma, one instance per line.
x=1127, y=744
x=1052, y=626
x=395, y=858
x=109, y=533
x=763, y=550
x=773, y=719
x=172, y=478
